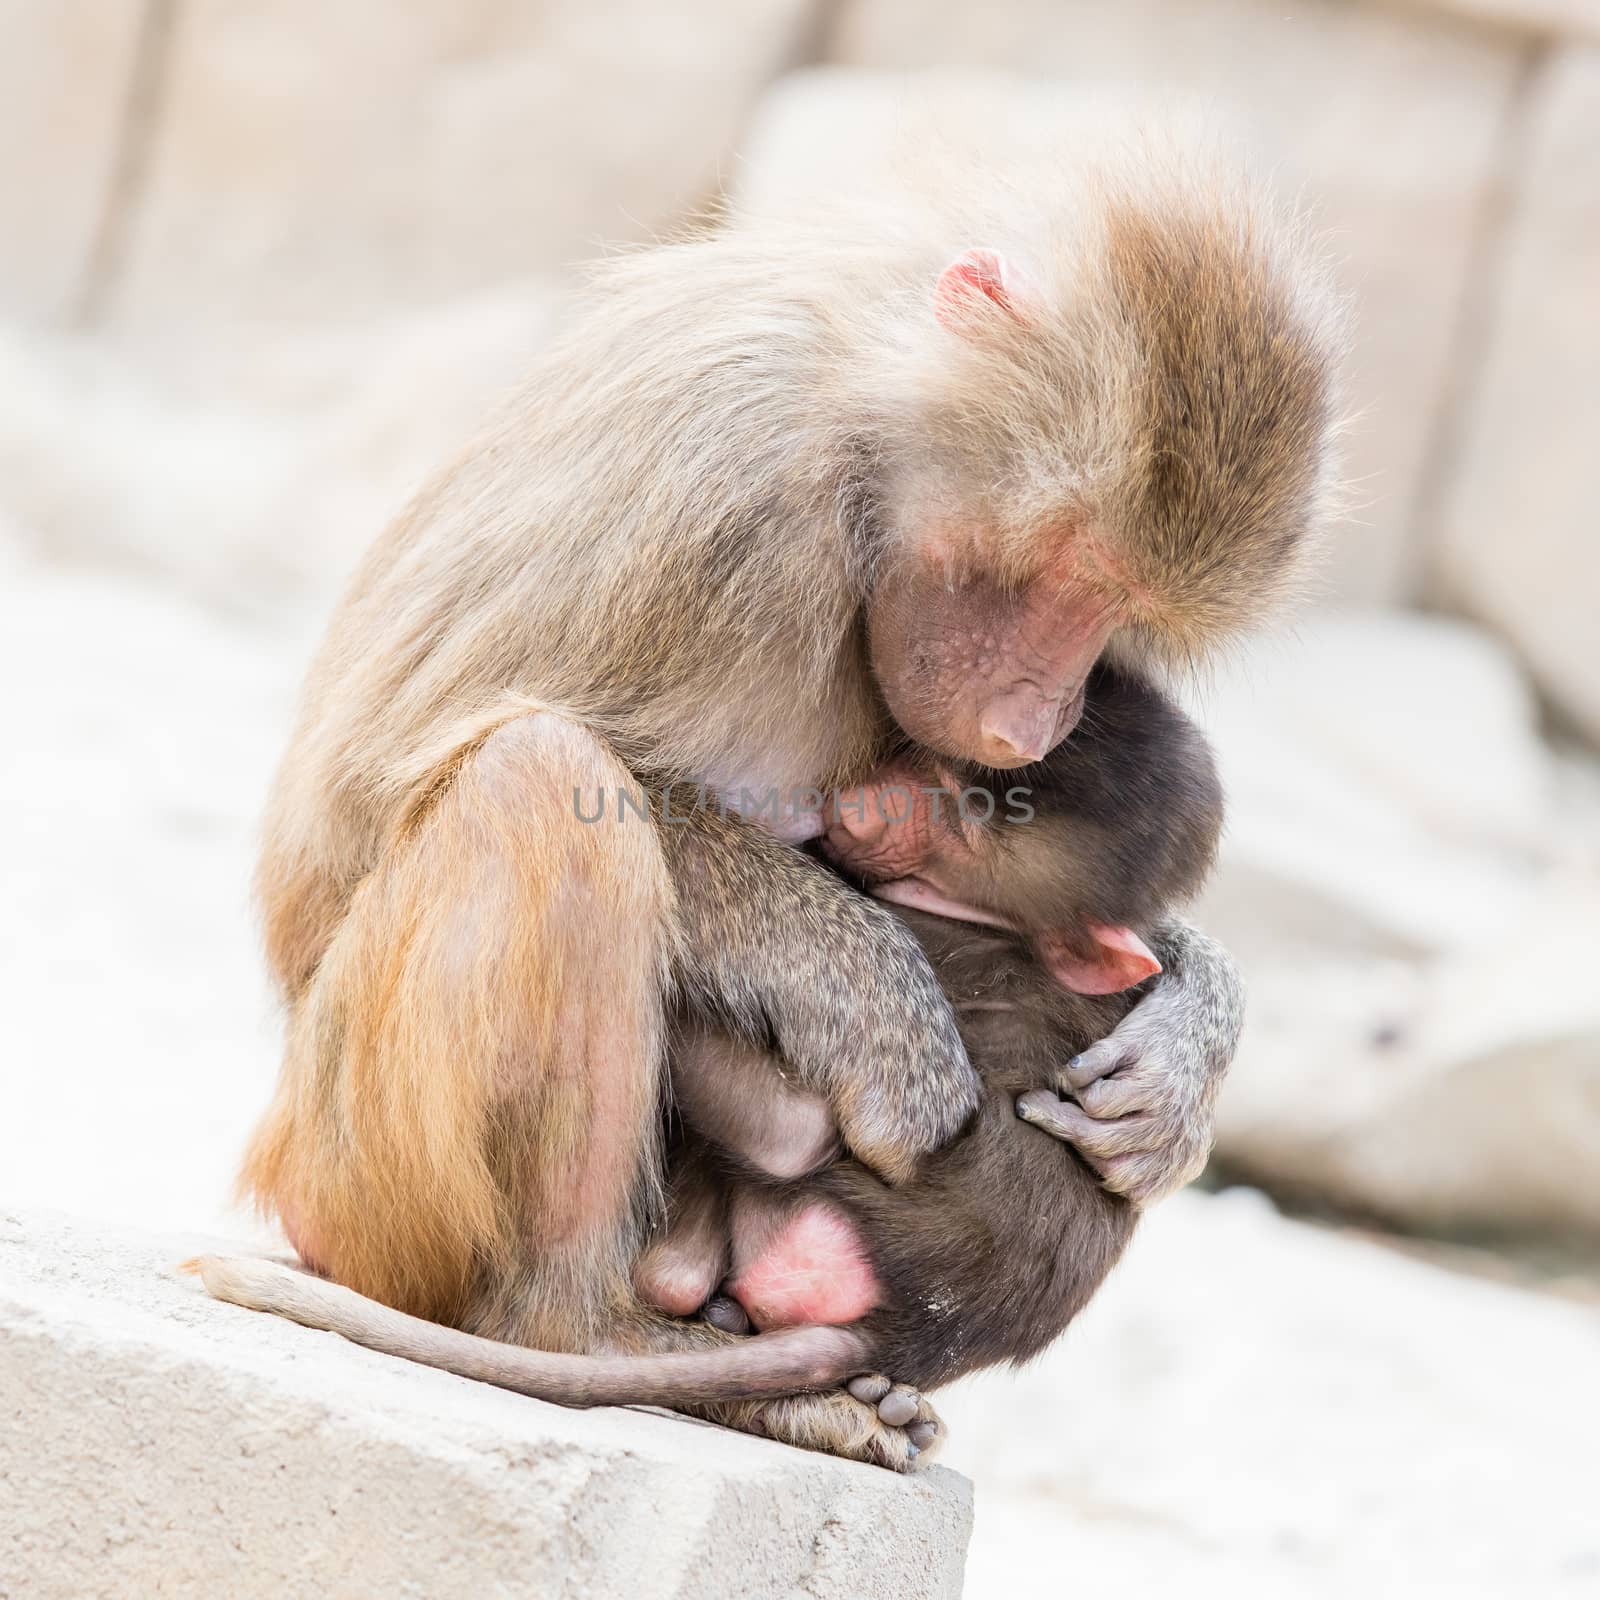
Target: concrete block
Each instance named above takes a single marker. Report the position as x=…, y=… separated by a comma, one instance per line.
x=157, y=1442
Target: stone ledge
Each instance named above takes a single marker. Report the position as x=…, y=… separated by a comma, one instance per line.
x=155, y=1441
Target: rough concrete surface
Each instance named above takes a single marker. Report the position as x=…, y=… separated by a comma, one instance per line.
x=155, y=1442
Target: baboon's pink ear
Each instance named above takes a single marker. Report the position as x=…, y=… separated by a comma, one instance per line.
x=973, y=278
x=1112, y=959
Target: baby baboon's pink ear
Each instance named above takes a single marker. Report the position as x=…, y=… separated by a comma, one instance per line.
x=1118, y=959
x=973, y=278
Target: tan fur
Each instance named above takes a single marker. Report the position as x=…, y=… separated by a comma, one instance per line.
x=387, y=1140
x=655, y=565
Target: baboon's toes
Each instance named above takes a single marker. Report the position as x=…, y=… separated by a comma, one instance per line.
x=898, y=1404
x=870, y=1388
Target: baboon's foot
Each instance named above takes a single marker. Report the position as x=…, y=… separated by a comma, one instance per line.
x=844, y=1423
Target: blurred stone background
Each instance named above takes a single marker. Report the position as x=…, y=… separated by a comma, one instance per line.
x=264, y=262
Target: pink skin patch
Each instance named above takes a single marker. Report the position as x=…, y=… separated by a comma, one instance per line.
x=887, y=829
x=1050, y=637
x=1029, y=721
x=1118, y=960
x=812, y=1270
x=985, y=671
x=969, y=280
x=921, y=895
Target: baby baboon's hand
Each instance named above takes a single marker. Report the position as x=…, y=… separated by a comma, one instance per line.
x=1142, y=1102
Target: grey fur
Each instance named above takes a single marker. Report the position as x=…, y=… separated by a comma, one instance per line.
x=779, y=947
x=1146, y=1094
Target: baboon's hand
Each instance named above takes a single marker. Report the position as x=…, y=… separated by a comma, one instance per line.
x=896, y=1070
x=780, y=949
x=1142, y=1102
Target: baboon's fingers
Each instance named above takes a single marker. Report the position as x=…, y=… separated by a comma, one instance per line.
x=1098, y=1061
x=1071, y=1123
x=1119, y=1096
x=1148, y=1175
x=1143, y=1157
